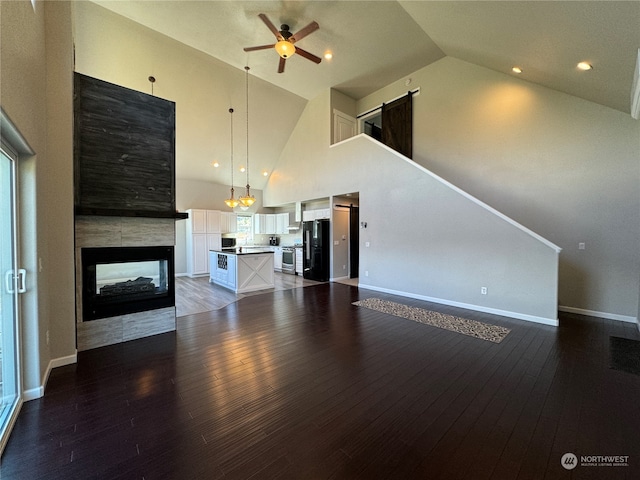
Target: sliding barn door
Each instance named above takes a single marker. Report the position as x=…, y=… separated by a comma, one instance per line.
x=397, y=125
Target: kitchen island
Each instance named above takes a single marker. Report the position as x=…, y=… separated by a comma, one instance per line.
x=243, y=269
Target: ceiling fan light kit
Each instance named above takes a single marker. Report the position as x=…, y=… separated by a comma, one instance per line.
x=285, y=49
x=285, y=41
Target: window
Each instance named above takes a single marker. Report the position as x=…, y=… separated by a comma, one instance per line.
x=244, y=235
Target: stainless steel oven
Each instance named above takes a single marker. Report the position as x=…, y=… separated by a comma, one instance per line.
x=288, y=260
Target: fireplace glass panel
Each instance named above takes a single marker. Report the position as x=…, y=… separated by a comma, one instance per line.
x=140, y=279
x=124, y=280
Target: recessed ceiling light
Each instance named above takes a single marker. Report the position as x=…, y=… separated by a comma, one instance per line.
x=328, y=56
x=242, y=169
x=215, y=164
x=265, y=173
x=516, y=70
x=585, y=66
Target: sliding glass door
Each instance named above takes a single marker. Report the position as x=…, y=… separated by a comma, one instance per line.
x=12, y=283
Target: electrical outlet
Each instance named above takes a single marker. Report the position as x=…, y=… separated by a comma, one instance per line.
x=366, y=244
x=344, y=267
x=483, y=290
x=336, y=242
x=366, y=273
x=581, y=246
x=47, y=337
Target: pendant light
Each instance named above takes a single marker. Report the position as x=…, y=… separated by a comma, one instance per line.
x=231, y=202
x=248, y=199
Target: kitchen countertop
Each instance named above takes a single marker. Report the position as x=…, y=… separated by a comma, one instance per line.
x=244, y=250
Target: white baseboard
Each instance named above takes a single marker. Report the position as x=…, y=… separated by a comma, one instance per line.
x=494, y=311
x=38, y=392
x=33, y=393
x=180, y=274
x=593, y=313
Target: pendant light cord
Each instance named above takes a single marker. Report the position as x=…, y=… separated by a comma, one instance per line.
x=231, y=118
x=247, y=96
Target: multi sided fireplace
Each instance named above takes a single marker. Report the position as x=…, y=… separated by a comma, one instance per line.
x=121, y=280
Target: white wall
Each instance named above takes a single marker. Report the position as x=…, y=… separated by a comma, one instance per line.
x=461, y=246
x=444, y=248
x=564, y=167
x=36, y=68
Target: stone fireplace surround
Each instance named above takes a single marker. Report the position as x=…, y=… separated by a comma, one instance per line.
x=108, y=231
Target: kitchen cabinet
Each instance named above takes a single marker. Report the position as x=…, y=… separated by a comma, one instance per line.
x=213, y=221
x=299, y=261
x=202, y=235
x=242, y=272
x=282, y=222
x=270, y=223
x=223, y=272
x=277, y=259
x=214, y=241
x=318, y=214
x=260, y=223
x=228, y=222
x=197, y=221
x=197, y=254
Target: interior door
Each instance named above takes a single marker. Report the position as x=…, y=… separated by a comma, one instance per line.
x=344, y=126
x=397, y=125
x=354, y=241
x=12, y=284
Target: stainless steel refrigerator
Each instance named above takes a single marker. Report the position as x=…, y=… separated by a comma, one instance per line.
x=315, y=239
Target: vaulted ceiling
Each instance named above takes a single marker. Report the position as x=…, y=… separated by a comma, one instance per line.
x=375, y=43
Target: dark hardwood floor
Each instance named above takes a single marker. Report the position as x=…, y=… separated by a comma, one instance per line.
x=301, y=384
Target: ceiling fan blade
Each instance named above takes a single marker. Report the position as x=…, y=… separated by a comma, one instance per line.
x=281, y=65
x=307, y=55
x=260, y=47
x=270, y=25
x=312, y=27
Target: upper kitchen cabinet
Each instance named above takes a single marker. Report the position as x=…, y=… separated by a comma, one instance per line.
x=265, y=223
x=228, y=222
x=260, y=223
x=197, y=221
x=282, y=222
x=310, y=215
x=213, y=221
x=271, y=223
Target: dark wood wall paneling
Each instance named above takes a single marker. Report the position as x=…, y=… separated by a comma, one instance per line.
x=124, y=151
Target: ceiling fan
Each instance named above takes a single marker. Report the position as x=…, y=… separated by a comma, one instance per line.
x=286, y=40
